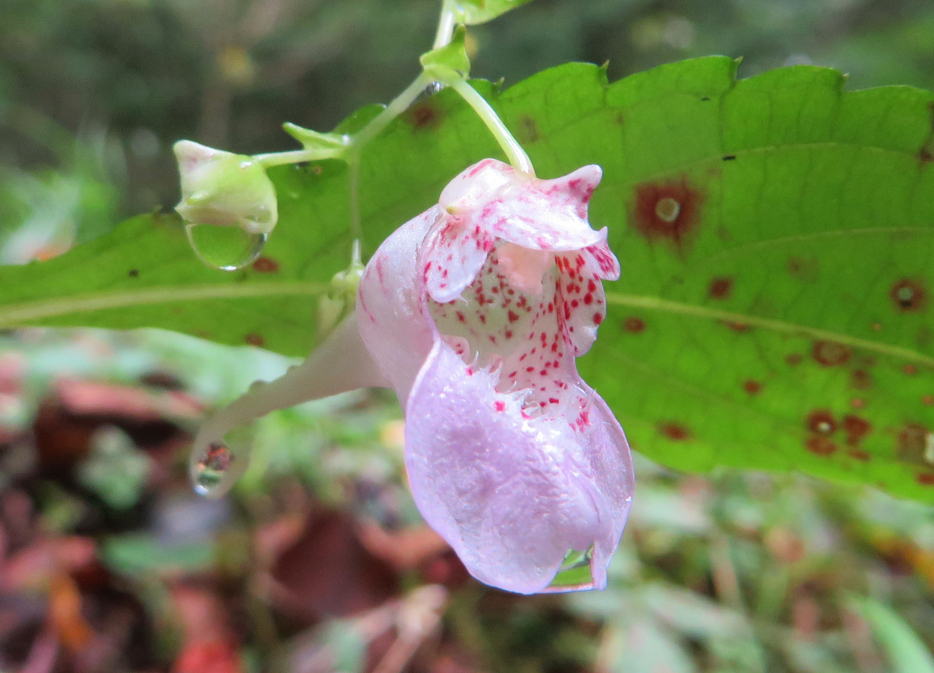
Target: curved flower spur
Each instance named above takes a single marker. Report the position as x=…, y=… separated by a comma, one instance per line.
x=474, y=312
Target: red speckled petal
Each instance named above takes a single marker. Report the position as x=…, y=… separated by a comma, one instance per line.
x=512, y=494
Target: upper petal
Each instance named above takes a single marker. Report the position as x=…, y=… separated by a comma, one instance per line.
x=491, y=201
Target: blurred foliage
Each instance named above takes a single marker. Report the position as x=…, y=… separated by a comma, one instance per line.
x=727, y=573
x=318, y=561
x=129, y=77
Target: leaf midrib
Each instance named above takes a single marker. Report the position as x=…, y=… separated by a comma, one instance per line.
x=680, y=308
x=26, y=312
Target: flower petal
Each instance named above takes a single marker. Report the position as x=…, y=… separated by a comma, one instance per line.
x=491, y=201
x=391, y=313
x=513, y=494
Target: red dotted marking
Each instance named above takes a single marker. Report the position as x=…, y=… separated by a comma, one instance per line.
x=861, y=380
x=822, y=422
x=633, y=324
x=423, y=115
x=830, y=353
x=254, y=339
x=820, y=446
x=720, y=288
x=647, y=220
x=674, y=431
x=855, y=428
x=752, y=387
x=908, y=295
x=265, y=265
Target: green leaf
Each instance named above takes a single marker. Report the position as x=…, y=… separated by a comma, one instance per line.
x=906, y=652
x=473, y=12
x=781, y=321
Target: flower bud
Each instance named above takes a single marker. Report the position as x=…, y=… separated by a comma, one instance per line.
x=226, y=189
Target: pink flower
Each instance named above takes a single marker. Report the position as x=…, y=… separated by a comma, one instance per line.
x=474, y=312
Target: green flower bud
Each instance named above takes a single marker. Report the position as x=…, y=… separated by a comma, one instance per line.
x=225, y=189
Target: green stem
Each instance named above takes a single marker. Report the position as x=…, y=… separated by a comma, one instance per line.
x=297, y=156
x=510, y=146
x=445, y=25
x=399, y=105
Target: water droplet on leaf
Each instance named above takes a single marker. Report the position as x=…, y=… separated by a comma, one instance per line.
x=225, y=247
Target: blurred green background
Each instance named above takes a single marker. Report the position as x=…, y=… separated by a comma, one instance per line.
x=318, y=561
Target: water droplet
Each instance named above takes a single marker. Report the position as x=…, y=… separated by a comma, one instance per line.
x=225, y=247
x=574, y=572
x=211, y=469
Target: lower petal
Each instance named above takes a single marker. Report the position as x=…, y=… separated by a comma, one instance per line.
x=512, y=494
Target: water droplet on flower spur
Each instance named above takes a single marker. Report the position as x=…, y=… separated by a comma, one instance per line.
x=211, y=474
x=574, y=572
x=667, y=209
x=227, y=248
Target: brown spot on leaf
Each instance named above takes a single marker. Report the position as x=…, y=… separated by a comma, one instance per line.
x=424, y=115
x=855, y=428
x=752, y=387
x=859, y=454
x=528, y=129
x=830, y=353
x=912, y=443
x=667, y=210
x=925, y=156
x=674, y=431
x=926, y=479
x=254, y=339
x=805, y=269
x=736, y=326
x=821, y=422
x=860, y=379
x=821, y=446
x=265, y=265
x=928, y=400
x=133, y=273
x=908, y=295
x=634, y=324
x=857, y=403
x=793, y=359
x=910, y=370
x=720, y=287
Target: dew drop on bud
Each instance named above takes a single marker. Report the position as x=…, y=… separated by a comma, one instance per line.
x=227, y=248
x=211, y=469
